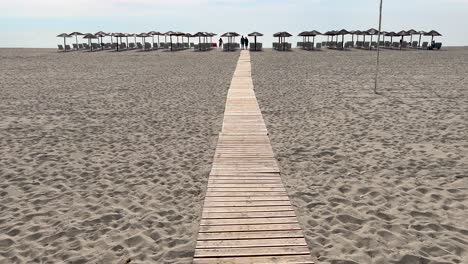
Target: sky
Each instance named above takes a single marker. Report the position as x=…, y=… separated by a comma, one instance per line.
x=35, y=23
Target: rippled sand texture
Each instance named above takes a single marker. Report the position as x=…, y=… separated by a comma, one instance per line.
x=375, y=178
x=105, y=156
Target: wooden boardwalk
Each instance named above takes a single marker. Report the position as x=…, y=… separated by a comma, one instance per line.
x=247, y=216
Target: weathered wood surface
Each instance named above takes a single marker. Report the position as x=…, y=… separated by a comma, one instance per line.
x=247, y=216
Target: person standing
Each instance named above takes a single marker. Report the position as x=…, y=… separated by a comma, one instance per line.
x=246, y=43
x=220, y=43
x=242, y=42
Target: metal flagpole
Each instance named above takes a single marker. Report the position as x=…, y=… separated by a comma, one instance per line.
x=378, y=48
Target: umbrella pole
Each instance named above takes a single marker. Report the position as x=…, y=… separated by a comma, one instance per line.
x=255, y=39
x=76, y=37
x=64, y=44
x=419, y=44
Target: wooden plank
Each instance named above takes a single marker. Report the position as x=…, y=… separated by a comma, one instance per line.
x=296, y=259
x=238, y=209
x=272, y=242
x=250, y=235
x=245, y=203
x=258, y=251
x=246, y=198
x=242, y=194
x=248, y=221
x=207, y=215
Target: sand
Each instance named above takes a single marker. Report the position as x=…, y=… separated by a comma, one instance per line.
x=105, y=156
x=374, y=178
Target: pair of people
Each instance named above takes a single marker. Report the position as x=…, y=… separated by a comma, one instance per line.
x=244, y=42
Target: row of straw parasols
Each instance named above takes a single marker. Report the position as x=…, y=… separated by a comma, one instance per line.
x=370, y=32
x=100, y=35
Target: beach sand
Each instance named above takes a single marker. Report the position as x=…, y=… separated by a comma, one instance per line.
x=374, y=178
x=105, y=156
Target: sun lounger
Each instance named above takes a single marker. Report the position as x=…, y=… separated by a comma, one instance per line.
x=381, y=44
x=404, y=45
x=438, y=45
x=60, y=47
x=318, y=46
x=95, y=46
x=67, y=47
x=424, y=46
x=366, y=45
x=300, y=45
x=374, y=44
x=147, y=46
x=75, y=46
x=396, y=45
x=414, y=45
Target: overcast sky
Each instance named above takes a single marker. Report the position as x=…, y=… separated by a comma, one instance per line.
x=35, y=23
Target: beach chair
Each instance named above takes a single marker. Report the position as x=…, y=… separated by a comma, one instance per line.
x=67, y=47
x=388, y=44
x=404, y=45
x=359, y=44
x=75, y=46
x=300, y=44
x=60, y=47
x=366, y=45
x=95, y=46
x=80, y=46
x=318, y=46
x=131, y=45
x=381, y=44
x=414, y=45
x=438, y=45
x=374, y=44
x=147, y=46
x=396, y=45
x=192, y=45
x=424, y=46
x=139, y=46
x=307, y=46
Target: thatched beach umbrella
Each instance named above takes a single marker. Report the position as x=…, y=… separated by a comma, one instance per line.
x=391, y=34
x=101, y=35
x=255, y=35
x=412, y=32
x=372, y=32
x=170, y=34
x=143, y=37
x=64, y=36
x=420, y=36
x=282, y=37
x=342, y=32
x=152, y=34
x=314, y=33
x=304, y=35
x=402, y=34
x=357, y=33
x=433, y=34
x=331, y=34
x=117, y=36
x=199, y=35
x=90, y=36
x=230, y=36
x=76, y=34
